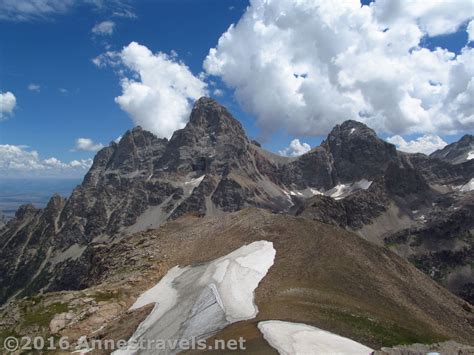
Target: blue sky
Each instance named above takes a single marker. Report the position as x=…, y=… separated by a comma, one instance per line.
x=56, y=54
x=75, y=98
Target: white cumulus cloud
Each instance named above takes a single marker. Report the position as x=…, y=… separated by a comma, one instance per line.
x=426, y=144
x=34, y=87
x=296, y=148
x=87, y=145
x=7, y=104
x=470, y=31
x=18, y=161
x=157, y=88
x=435, y=17
x=306, y=65
x=104, y=28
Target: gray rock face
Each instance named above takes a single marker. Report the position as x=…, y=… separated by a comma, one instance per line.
x=357, y=152
x=442, y=245
x=208, y=168
x=417, y=209
x=436, y=171
x=207, y=144
x=457, y=152
x=352, y=212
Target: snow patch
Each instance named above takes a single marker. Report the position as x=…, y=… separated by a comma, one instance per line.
x=288, y=196
x=163, y=293
x=221, y=270
x=189, y=186
x=306, y=193
x=468, y=187
x=421, y=218
x=296, y=338
x=352, y=131
x=247, y=267
x=315, y=192
x=195, y=182
x=470, y=155
x=363, y=184
x=197, y=301
x=337, y=191
x=343, y=190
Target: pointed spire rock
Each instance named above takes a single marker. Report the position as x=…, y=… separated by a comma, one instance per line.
x=214, y=118
x=212, y=134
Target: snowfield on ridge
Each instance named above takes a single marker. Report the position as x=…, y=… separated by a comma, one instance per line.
x=195, y=302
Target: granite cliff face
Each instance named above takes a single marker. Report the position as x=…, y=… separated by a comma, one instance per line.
x=353, y=180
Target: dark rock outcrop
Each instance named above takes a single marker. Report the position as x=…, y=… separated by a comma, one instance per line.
x=357, y=152
x=352, y=212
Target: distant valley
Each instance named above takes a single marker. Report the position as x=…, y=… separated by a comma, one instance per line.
x=17, y=192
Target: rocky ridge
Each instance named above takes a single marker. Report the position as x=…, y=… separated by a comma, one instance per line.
x=457, y=152
x=354, y=180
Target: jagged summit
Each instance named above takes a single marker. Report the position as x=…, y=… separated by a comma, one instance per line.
x=351, y=128
x=207, y=104
x=214, y=118
x=25, y=210
x=207, y=168
x=358, y=152
x=458, y=152
x=136, y=150
x=210, y=140
x=468, y=138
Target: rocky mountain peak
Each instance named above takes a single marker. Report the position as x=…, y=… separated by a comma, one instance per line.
x=358, y=152
x=457, y=152
x=25, y=211
x=137, y=138
x=467, y=138
x=55, y=201
x=211, y=137
x=351, y=130
x=214, y=119
x=136, y=145
x=136, y=151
